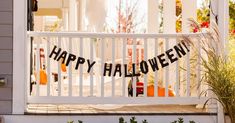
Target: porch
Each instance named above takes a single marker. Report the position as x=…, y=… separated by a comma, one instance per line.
x=101, y=68
x=175, y=84
x=96, y=93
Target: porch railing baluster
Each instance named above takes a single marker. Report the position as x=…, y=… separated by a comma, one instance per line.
x=102, y=66
x=48, y=67
x=199, y=69
x=59, y=70
x=124, y=40
x=166, y=69
x=92, y=70
x=177, y=73
x=81, y=69
x=188, y=90
x=113, y=67
x=70, y=79
x=134, y=62
x=38, y=66
x=156, y=72
x=145, y=59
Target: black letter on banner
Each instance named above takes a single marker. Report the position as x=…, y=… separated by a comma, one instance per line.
x=162, y=60
x=144, y=67
x=171, y=56
x=133, y=71
x=90, y=65
x=79, y=61
x=108, y=68
x=118, y=69
x=179, y=50
x=153, y=63
x=185, y=46
x=126, y=71
x=55, y=52
x=70, y=58
x=62, y=56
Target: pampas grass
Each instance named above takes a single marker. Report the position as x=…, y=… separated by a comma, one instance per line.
x=218, y=69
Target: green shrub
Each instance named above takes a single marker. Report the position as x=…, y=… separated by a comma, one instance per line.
x=133, y=120
x=79, y=121
x=181, y=120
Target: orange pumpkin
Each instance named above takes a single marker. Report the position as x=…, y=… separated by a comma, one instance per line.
x=43, y=77
x=63, y=67
x=161, y=91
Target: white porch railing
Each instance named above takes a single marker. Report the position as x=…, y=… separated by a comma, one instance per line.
x=75, y=85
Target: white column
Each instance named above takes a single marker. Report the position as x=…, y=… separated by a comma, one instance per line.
x=169, y=26
x=189, y=10
x=223, y=18
x=152, y=23
x=219, y=8
x=21, y=55
x=82, y=15
x=214, y=10
x=73, y=15
x=96, y=14
x=152, y=16
x=169, y=16
x=65, y=18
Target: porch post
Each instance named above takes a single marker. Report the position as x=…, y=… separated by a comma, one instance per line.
x=169, y=16
x=220, y=14
x=169, y=26
x=96, y=14
x=152, y=16
x=223, y=18
x=82, y=15
x=73, y=15
x=65, y=17
x=189, y=10
x=152, y=23
x=20, y=56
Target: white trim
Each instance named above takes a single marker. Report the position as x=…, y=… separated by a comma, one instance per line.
x=223, y=23
x=19, y=55
x=111, y=35
x=108, y=118
x=116, y=100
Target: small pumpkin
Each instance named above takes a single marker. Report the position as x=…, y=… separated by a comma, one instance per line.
x=63, y=67
x=161, y=91
x=43, y=77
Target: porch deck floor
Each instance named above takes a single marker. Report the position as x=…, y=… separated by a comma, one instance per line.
x=49, y=109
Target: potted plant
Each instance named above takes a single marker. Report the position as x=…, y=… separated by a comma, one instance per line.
x=218, y=69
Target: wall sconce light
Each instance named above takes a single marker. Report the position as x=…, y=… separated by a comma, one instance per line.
x=3, y=81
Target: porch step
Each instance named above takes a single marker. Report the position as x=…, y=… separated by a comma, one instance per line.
x=106, y=118
x=95, y=110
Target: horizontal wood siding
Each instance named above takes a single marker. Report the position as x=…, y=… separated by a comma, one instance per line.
x=6, y=107
x=6, y=30
x=6, y=55
x=6, y=43
x=6, y=5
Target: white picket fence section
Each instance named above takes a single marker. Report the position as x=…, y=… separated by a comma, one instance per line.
x=81, y=87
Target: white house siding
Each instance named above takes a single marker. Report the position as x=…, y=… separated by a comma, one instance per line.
x=6, y=44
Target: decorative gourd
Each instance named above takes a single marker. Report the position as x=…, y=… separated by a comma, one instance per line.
x=161, y=91
x=63, y=67
x=43, y=77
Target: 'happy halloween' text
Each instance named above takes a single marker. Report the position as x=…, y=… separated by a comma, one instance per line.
x=160, y=61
